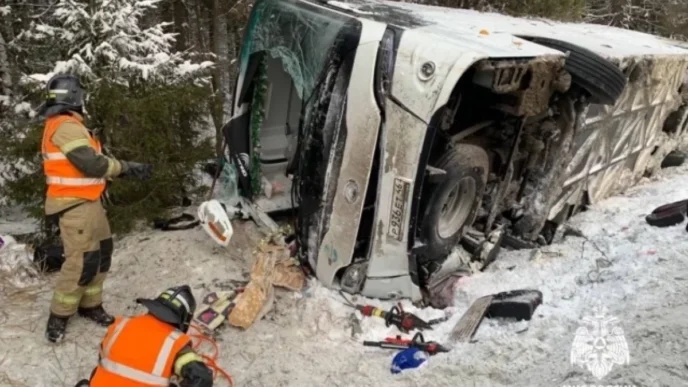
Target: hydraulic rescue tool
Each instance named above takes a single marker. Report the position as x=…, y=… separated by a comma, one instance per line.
x=396, y=316
x=418, y=341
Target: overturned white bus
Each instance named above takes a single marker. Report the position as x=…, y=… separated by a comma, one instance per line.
x=402, y=130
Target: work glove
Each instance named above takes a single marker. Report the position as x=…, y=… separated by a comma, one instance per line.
x=136, y=170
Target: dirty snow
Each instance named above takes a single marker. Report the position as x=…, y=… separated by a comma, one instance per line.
x=13, y=221
x=637, y=272
x=16, y=268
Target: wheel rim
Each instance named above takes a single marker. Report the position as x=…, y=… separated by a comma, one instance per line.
x=457, y=207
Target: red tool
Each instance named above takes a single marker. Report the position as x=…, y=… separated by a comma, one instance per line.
x=418, y=341
x=395, y=316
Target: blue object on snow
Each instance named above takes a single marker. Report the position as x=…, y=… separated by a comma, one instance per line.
x=408, y=359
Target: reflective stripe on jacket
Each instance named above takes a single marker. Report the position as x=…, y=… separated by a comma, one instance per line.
x=63, y=178
x=138, y=352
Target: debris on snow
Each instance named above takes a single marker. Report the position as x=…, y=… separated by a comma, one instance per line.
x=470, y=321
x=16, y=267
x=272, y=268
x=258, y=296
x=215, y=309
x=645, y=291
x=215, y=221
x=516, y=304
x=408, y=359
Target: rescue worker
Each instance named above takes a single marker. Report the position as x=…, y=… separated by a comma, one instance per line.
x=152, y=349
x=76, y=171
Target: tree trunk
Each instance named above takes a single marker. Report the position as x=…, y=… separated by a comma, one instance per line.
x=5, y=78
x=221, y=78
x=200, y=33
x=181, y=24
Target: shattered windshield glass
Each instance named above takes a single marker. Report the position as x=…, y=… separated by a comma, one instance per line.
x=298, y=33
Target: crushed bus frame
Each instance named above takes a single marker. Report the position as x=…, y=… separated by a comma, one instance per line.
x=402, y=130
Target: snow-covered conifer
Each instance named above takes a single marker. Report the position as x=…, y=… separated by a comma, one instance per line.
x=107, y=39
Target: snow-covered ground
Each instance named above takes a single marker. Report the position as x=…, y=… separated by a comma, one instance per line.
x=13, y=221
x=306, y=340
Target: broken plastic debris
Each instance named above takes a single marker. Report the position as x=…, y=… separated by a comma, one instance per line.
x=215, y=222
x=227, y=190
x=516, y=304
x=519, y=304
x=259, y=216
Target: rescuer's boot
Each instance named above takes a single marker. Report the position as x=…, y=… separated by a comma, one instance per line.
x=97, y=314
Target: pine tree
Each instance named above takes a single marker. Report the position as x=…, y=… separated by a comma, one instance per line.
x=107, y=40
x=147, y=101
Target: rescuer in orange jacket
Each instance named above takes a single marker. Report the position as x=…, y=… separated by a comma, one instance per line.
x=152, y=349
x=76, y=172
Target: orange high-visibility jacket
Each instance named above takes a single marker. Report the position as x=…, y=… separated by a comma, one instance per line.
x=62, y=177
x=138, y=352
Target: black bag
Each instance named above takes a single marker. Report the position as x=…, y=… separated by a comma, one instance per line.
x=49, y=253
x=49, y=258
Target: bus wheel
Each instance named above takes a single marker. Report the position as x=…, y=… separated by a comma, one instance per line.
x=453, y=203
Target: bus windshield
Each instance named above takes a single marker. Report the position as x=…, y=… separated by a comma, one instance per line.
x=298, y=33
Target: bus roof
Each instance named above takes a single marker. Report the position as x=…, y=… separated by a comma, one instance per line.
x=498, y=35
